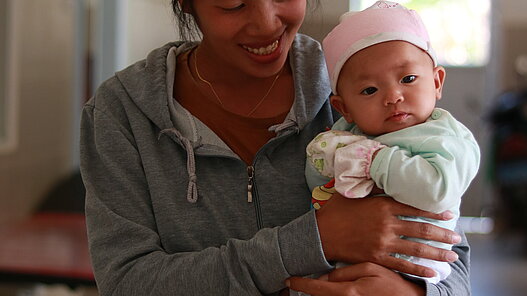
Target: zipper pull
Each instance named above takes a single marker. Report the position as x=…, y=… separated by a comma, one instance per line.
x=250, y=172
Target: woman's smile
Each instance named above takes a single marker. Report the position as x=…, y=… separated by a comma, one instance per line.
x=264, y=50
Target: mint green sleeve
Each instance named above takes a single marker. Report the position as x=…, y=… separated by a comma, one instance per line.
x=428, y=166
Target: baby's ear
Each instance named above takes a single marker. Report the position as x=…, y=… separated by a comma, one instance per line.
x=338, y=103
x=439, y=80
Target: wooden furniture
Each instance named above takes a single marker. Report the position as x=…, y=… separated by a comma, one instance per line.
x=48, y=248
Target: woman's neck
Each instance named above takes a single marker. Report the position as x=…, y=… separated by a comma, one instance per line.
x=237, y=91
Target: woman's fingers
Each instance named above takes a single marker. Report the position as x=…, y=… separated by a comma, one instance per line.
x=408, y=267
x=357, y=280
x=372, y=229
x=354, y=272
x=406, y=210
x=428, y=231
x=416, y=249
x=316, y=287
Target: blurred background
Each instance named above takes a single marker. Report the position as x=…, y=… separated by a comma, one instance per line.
x=54, y=53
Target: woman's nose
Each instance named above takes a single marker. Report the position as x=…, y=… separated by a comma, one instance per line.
x=265, y=19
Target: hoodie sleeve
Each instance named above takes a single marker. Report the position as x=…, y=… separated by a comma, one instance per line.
x=127, y=253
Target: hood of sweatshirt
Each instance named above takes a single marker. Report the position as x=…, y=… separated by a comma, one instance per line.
x=149, y=83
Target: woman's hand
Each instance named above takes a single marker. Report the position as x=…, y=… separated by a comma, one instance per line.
x=368, y=230
x=364, y=279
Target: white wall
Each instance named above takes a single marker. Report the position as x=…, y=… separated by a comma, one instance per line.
x=513, y=12
x=3, y=76
x=513, y=41
x=125, y=31
x=318, y=23
x=150, y=24
x=44, y=92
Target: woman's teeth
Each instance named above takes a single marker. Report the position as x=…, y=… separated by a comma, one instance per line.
x=263, y=50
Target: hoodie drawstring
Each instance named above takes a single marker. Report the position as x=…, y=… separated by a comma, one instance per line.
x=192, y=189
x=278, y=128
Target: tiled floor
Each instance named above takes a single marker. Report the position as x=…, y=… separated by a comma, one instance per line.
x=498, y=265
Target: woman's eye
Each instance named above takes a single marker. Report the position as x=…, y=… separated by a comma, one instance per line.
x=234, y=8
x=368, y=91
x=409, y=79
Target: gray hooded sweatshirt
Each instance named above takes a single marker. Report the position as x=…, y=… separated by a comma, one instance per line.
x=167, y=201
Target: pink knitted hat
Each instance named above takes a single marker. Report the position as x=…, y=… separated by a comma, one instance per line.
x=383, y=21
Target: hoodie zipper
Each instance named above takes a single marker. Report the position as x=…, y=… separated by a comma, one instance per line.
x=252, y=192
x=253, y=196
x=250, y=172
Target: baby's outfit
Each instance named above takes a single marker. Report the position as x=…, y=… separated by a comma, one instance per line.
x=428, y=166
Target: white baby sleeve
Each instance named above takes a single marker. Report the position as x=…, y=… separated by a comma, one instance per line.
x=345, y=156
x=352, y=168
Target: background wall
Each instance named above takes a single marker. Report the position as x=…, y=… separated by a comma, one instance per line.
x=514, y=40
x=45, y=79
x=144, y=17
x=318, y=23
x=44, y=59
x=3, y=68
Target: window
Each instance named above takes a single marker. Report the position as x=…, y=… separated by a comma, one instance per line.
x=459, y=29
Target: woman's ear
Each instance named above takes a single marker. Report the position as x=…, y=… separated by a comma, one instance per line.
x=439, y=80
x=338, y=103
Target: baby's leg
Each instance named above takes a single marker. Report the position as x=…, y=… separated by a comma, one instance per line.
x=442, y=269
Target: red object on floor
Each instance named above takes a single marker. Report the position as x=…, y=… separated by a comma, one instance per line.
x=47, y=245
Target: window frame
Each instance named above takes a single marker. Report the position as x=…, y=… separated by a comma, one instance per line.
x=9, y=95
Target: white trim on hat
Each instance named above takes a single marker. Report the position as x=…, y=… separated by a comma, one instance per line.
x=376, y=39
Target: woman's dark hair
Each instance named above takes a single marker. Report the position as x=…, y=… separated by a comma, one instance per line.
x=187, y=22
x=188, y=29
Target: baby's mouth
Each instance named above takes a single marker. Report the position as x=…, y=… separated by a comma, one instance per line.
x=263, y=50
x=398, y=116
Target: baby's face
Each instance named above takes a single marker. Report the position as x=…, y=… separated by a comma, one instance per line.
x=387, y=87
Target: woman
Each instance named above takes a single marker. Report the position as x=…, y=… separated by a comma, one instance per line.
x=193, y=162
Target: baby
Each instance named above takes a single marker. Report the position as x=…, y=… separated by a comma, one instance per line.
x=385, y=82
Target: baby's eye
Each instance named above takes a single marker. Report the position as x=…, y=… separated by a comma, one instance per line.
x=409, y=79
x=368, y=91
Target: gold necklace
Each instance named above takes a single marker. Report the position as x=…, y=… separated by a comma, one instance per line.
x=218, y=97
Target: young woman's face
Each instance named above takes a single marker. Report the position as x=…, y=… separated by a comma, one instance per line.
x=387, y=87
x=251, y=36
